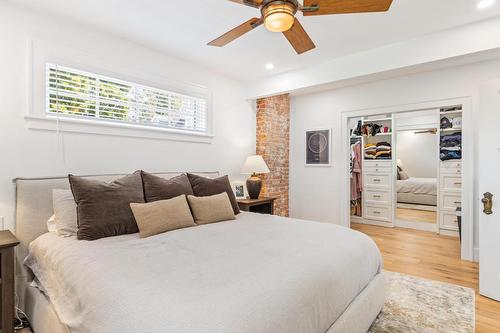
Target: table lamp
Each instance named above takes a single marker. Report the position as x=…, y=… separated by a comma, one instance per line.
x=254, y=165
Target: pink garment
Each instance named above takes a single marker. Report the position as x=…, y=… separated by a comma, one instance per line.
x=356, y=177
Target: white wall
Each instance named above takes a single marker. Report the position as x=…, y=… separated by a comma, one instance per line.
x=31, y=153
x=314, y=192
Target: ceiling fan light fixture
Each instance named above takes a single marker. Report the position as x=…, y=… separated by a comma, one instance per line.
x=279, y=15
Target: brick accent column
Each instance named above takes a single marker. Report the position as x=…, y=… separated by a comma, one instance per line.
x=273, y=143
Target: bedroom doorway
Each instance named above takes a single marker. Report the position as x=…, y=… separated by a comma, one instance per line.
x=417, y=163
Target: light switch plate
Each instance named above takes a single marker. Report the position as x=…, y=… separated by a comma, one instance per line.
x=1, y=223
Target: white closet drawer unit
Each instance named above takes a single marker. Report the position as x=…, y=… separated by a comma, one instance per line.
x=450, y=182
x=378, y=164
x=378, y=169
x=452, y=168
x=448, y=221
x=379, y=213
x=377, y=196
x=450, y=171
x=452, y=164
x=377, y=180
x=450, y=201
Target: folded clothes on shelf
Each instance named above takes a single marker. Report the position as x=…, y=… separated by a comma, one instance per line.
x=456, y=148
x=451, y=147
x=451, y=140
x=446, y=155
x=386, y=153
x=381, y=150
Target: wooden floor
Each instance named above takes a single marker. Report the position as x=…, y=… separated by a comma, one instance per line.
x=431, y=256
x=416, y=215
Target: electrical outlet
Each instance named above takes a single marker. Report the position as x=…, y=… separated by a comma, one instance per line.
x=1, y=223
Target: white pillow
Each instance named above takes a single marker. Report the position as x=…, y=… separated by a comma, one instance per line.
x=51, y=224
x=65, y=212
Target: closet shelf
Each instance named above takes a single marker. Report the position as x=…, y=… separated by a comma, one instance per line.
x=378, y=134
x=451, y=130
x=375, y=120
x=450, y=112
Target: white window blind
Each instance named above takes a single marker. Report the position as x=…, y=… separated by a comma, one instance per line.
x=74, y=93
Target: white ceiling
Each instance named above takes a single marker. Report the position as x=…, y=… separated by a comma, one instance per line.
x=183, y=27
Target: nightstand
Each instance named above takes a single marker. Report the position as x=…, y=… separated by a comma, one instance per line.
x=261, y=205
x=7, y=244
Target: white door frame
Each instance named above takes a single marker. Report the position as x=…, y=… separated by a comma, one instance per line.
x=467, y=250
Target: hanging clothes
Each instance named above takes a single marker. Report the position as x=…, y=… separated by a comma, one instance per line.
x=356, y=172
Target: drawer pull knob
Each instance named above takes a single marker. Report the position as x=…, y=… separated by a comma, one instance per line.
x=377, y=196
x=376, y=180
x=376, y=212
x=456, y=221
x=457, y=183
x=457, y=202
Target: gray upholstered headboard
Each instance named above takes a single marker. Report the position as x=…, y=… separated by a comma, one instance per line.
x=34, y=208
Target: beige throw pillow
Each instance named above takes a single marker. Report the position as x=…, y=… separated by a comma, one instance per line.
x=211, y=209
x=65, y=218
x=161, y=216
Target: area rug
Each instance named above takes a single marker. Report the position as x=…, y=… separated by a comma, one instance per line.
x=424, y=306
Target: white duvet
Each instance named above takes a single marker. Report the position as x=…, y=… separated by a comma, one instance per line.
x=259, y=273
x=418, y=186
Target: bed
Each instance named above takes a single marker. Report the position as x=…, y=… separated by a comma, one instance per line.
x=260, y=273
x=417, y=191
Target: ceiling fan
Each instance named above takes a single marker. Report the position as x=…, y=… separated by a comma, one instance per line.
x=279, y=16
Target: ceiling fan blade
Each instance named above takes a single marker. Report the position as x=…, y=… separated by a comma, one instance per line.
x=236, y=32
x=251, y=3
x=299, y=38
x=326, y=7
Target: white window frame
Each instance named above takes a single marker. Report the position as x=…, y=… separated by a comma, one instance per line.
x=41, y=53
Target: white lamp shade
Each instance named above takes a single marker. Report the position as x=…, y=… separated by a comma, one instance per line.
x=400, y=163
x=254, y=164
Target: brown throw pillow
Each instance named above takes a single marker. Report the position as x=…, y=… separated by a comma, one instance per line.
x=161, y=216
x=203, y=187
x=158, y=188
x=211, y=209
x=103, y=209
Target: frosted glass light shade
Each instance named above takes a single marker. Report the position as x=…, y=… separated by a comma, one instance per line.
x=254, y=164
x=279, y=17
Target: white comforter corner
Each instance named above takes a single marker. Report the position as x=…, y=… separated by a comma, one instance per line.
x=259, y=273
x=418, y=186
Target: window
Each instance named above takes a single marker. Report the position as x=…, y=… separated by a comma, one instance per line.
x=78, y=94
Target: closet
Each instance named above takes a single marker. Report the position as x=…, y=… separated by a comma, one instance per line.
x=377, y=196
x=450, y=170
x=374, y=174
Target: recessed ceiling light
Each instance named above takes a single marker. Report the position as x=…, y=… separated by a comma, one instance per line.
x=485, y=4
x=269, y=66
